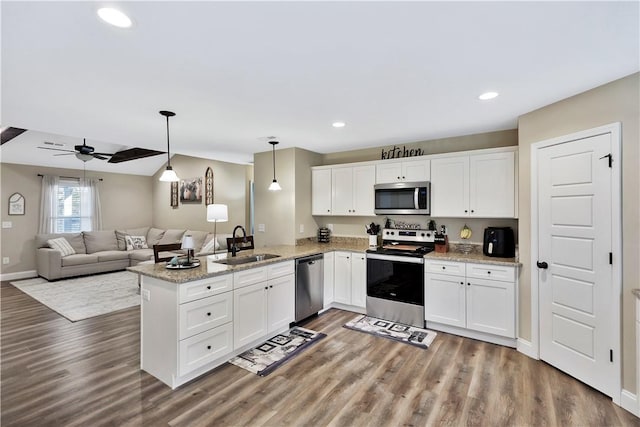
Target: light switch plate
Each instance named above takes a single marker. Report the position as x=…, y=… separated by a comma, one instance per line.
x=261, y=228
x=7, y=224
x=330, y=227
x=301, y=228
x=6, y=260
x=146, y=294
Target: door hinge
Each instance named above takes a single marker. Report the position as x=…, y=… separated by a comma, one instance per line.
x=611, y=258
x=610, y=158
x=611, y=355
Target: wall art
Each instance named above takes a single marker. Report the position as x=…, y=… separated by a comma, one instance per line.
x=174, y=195
x=16, y=204
x=208, y=187
x=191, y=190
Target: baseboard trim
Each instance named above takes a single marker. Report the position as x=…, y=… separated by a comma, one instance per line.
x=629, y=402
x=19, y=275
x=525, y=347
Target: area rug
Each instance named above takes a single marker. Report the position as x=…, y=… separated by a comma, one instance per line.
x=266, y=357
x=396, y=331
x=84, y=297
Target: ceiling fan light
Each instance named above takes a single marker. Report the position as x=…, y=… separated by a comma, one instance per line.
x=169, y=175
x=84, y=157
x=114, y=17
x=274, y=186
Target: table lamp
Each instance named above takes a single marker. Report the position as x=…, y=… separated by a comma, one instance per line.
x=217, y=213
x=187, y=243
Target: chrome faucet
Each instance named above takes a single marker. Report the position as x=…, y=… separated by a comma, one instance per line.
x=234, y=247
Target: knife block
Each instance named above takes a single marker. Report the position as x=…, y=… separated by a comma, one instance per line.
x=442, y=245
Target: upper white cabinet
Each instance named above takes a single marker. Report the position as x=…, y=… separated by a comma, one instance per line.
x=405, y=171
x=352, y=190
x=321, y=191
x=477, y=185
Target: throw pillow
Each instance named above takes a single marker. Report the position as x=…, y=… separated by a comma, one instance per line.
x=208, y=246
x=135, y=242
x=61, y=245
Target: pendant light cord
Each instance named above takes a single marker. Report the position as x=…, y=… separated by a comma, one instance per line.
x=274, y=161
x=168, y=153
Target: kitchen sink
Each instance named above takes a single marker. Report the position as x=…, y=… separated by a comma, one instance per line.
x=246, y=259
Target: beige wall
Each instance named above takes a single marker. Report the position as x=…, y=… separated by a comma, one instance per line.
x=304, y=160
x=502, y=138
x=116, y=192
x=617, y=101
x=230, y=187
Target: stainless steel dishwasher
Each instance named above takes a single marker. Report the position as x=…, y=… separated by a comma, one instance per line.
x=309, y=286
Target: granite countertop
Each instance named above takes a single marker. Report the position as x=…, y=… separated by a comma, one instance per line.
x=476, y=255
x=209, y=268
x=636, y=292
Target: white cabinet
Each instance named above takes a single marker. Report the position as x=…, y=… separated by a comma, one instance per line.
x=352, y=190
x=264, y=305
x=404, y=171
x=478, y=185
x=186, y=328
x=329, y=259
x=477, y=297
x=350, y=279
x=321, y=191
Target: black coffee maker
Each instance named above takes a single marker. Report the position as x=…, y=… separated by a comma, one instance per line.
x=499, y=242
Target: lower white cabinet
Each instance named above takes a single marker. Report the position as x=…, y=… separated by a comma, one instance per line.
x=264, y=307
x=350, y=278
x=328, y=262
x=473, y=296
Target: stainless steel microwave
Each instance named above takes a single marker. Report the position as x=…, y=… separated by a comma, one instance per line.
x=403, y=198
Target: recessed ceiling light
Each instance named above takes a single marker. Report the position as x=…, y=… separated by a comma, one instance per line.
x=488, y=95
x=338, y=124
x=114, y=17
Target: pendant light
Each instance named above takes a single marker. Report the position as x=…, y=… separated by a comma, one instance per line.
x=169, y=175
x=274, y=184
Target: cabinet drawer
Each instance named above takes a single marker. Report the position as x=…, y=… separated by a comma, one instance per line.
x=204, y=348
x=205, y=288
x=445, y=267
x=249, y=277
x=200, y=315
x=490, y=271
x=280, y=269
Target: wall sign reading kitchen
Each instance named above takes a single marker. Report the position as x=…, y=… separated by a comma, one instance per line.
x=398, y=152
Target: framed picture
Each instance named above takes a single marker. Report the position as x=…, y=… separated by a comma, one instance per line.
x=16, y=204
x=174, y=194
x=208, y=187
x=191, y=190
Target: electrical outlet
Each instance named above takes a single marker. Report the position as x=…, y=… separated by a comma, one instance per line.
x=7, y=224
x=146, y=294
x=301, y=228
x=330, y=227
x=261, y=228
x=6, y=260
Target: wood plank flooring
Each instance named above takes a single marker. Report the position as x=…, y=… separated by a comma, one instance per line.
x=58, y=373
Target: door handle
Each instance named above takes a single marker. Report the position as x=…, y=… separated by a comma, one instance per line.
x=542, y=264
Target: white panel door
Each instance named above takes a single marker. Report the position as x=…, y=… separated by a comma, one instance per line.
x=491, y=307
x=358, y=280
x=329, y=258
x=574, y=197
x=450, y=187
x=249, y=314
x=321, y=191
x=342, y=277
x=492, y=185
x=364, y=178
x=342, y=191
x=281, y=302
x=445, y=299
x=388, y=172
x=416, y=170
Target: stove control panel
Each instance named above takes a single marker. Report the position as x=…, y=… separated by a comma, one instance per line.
x=408, y=235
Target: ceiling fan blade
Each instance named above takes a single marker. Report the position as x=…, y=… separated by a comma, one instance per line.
x=56, y=149
x=65, y=154
x=102, y=154
x=98, y=156
x=10, y=133
x=133, y=154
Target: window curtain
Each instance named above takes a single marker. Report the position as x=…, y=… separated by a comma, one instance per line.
x=48, y=204
x=90, y=204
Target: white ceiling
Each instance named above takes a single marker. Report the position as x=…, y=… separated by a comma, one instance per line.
x=236, y=72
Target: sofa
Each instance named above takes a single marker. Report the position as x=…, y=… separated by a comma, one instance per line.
x=106, y=250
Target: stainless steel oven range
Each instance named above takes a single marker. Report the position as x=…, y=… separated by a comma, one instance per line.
x=395, y=276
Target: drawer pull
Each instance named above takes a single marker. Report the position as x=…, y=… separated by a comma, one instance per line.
x=468, y=284
x=209, y=287
x=209, y=314
x=444, y=268
x=208, y=347
x=488, y=272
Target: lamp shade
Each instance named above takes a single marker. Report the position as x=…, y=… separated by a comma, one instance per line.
x=217, y=213
x=275, y=186
x=169, y=175
x=187, y=242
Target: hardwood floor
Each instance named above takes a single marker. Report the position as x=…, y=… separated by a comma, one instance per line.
x=59, y=373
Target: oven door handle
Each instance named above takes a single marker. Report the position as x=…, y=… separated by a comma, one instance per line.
x=398, y=258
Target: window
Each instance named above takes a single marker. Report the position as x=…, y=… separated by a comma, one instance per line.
x=69, y=205
x=70, y=217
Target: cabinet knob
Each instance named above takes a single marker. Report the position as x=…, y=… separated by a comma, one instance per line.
x=208, y=347
x=403, y=177
x=209, y=287
x=472, y=211
x=443, y=267
x=266, y=287
x=462, y=283
x=209, y=314
x=271, y=286
x=465, y=211
x=488, y=272
x=328, y=210
x=468, y=284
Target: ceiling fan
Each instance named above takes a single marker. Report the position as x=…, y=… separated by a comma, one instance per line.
x=86, y=152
